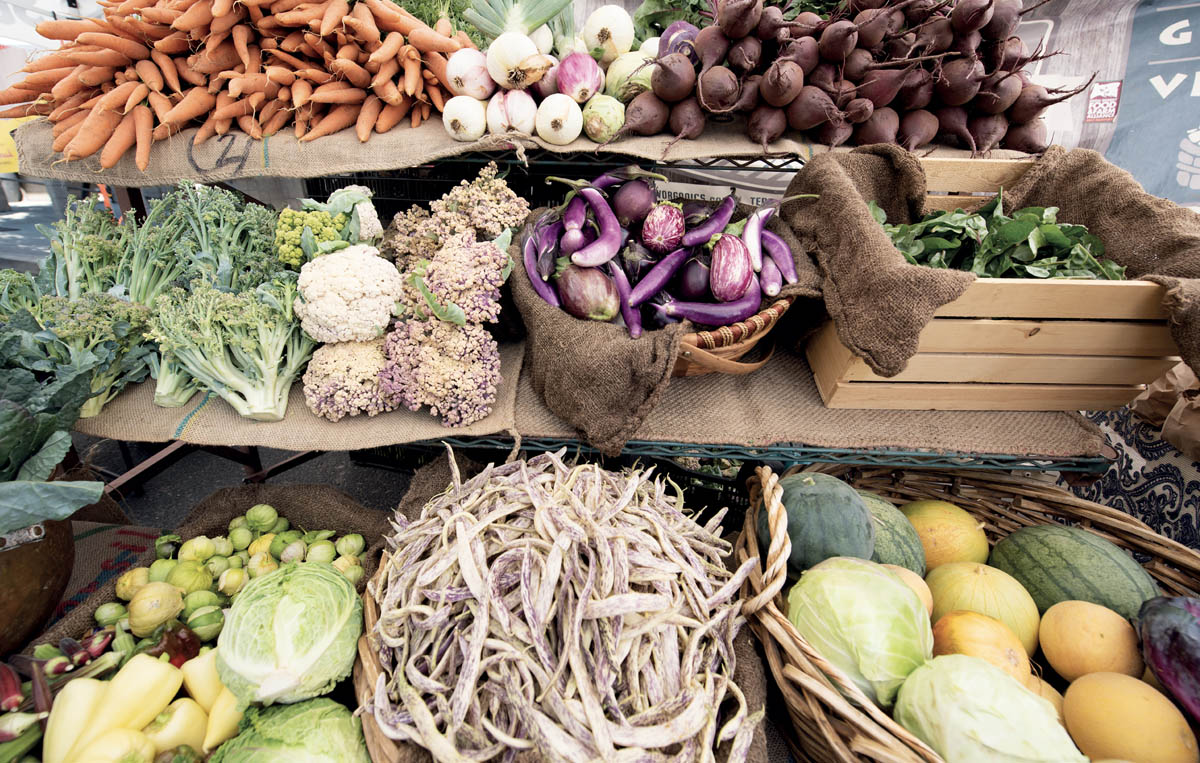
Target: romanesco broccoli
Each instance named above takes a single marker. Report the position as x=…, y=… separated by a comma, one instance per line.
x=455, y=370
x=343, y=380
x=323, y=229
x=349, y=295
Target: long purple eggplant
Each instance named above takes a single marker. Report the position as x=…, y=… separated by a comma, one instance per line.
x=609, y=240
x=530, y=258
x=658, y=277
x=778, y=250
x=722, y=314
x=712, y=226
x=730, y=273
x=770, y=278
x=546, y=233
x=632, y=316
x=630, y=172
x=752, y=235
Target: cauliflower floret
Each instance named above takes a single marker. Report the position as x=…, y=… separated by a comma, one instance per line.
x=343, y=380
x=455, y=370
x=465, y=273
x=369, y=225
x=348, y=295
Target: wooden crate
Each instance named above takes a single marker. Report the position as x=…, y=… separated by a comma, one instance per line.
x=1011, y=344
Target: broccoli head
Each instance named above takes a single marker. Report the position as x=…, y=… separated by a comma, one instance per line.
x=17, y=293
x=343, y=380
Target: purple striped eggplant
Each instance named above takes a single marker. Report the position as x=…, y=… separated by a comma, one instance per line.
x=730, y=272
x=1170, y=631
x=663, y=229
x=587, y=293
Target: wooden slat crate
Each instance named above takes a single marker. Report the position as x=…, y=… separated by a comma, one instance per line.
x=1011, y=344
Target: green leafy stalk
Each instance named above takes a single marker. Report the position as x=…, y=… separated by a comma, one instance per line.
x=495, y=17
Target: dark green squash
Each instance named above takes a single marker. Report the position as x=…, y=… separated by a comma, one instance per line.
x=826, y=518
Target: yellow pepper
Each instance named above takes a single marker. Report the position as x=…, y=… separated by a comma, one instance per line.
x=136, y=695
x=261, y=545
x=73, y=706
x=201, y=681
x=118, y=746
x=222, y=721
x=183, y=722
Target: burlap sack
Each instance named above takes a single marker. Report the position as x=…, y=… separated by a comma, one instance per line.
x=877, y=300
x=1182, y=427
x=313, y=507
x=1155, y=404
x=597, y=379
x=435, y=477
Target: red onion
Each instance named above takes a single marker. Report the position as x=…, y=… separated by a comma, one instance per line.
x=579, y=77
x=548, y=84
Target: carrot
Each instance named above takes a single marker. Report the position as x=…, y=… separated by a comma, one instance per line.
x=195, y=103
x=221, y=8
x=389, y=93
x=344, y=95
x=68, y=123
x=388, y=17
x=425, y=39
x=269, y=110
x=285, y=94
x=160, y=15
x=268, y=43
x=388, y=70
x=199, y=15
x=174, y=44
x=426, y=109
x=143, y=127
x=391, y=114
x=104, y=57
x=128, y=48
x=301, y=15
x=68, y=85
x=301, y=92
x=250, y=126
x=43, y=81
x=350, y=51
x=367, y=117
x=94, y=76
x=302, y=118
x=223, y=24
x=251, y=83
x=65, y=29
x=281, y=74
x=238, y=108
x=70, y=106
x=283, y=6
x=206, y=131
x=363, y=24
x=137, y=96
x=410, y=62
x=212, y=40
x=242, y=35
x=389, y=49
x=319, y=76
x=121, y=141
x=465, y=40
x=17, y=95
x=436, y=63
x=44, y=62
x=161, y=104
x=93, y=133
x=223, y=125
x=436, y=97
x=63, y=139
x=357, y=75
x=148, y=73
x=292, y=42
x=319, y=46
x=336, y=120
x=334, y=13
x=166, y=69
x=215, y=61
x=116, y=98
x=254, y=12
x=129, y=7
x=415, y=116
x=443, y=26
x=276, y=122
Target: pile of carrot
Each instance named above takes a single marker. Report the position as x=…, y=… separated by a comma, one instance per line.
x=151, y=68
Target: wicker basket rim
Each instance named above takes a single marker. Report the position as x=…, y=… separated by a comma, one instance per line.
x=759, y=323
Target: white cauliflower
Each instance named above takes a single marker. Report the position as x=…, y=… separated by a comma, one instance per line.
x=348, y=296
x=369, y=225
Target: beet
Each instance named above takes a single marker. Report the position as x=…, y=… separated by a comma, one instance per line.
x=971, y=15
x=859, y=110
x=935, y=36
x=1009, y=54
x=766, y=125
x=882, y=86
x=748, y=98
x=843, y=92
x=807, y=24
x=998, y=92
x=738, y=18
x=674, y=78
x=1031, y=137
x=687, y=121
x=917, y=128
x=811, y=108
x=898, y=48
x=833, y=134
x=1035, y=99
x=959, y=81
x=745, y=55
x=917, y=90
x=712, y=46
x=872, y=27
x=781, y=83
x=718, y=89
x=966, y=44
x=824, y=76
x=880, y=128
x=837, y=40
x=952, y=126
x=919, y=11
x=987, y=130
x=1006, y=14
x=858, y=63
x=804, y=52
x=770, y=23
x=646, y=114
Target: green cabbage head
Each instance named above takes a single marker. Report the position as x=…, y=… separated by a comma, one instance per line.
x=316, y=731
x=966, y=708
x=290, y=635
x=865, y=620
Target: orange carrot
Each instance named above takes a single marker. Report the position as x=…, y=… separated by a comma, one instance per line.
x=250, y=83
x=137, y=96
x=389, y=93
x=199, y=15
x=67, y=123
x=344, y=95
x=94, y=76
x=101, y=57
x=254, y=12
x=161, y=104
x=63, y=139
x=250, y=126
x=68, y=85
x=129, y=7
x=223, y=24
x=319, y=76
x=292, y=42
x=70, y=106
x=388, y=17
x=465, y=40
x=350, y=51
x=302, y=14
x=195, y=103
x=410, y=62
x=283, y=57
x=443, y=26
x=174, y=44
x=363, y=24
x=188, y=74
x=367, y=117
x=126, y=47
x=65, y=29
x=415, y=116
x=50, y=61
x=389, y=49
x=116, y=98
x=43, y=81
x=215, y=61
x=425, y=39
x=276, y=122
x=425, y=110
x=267, y=43
x=391, y=115
x=436, y=63
x=238, y=108
x=281, y=74
x=302, y=117
x=206, y=131
x=301, y=92
x=283, y=6
x=242, y=35
x=436, y=97
x=388, y=70
x=284, y=94
x=166, y=68
x=221, y=8
x=270, y=106
x=161, y=15
x=357, y=75
x=121, y=141
x=17, y=95
x=334, y=13
x=336, y=120
x=93, y=133
x=213, y=41
x=319, y=46
x=148, y=72
x=223, y=125
x=143, y=126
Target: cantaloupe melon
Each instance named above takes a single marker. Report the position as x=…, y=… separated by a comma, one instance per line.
x=947, y=533
x=914, y=582
x=1038, y=686
x=1112, y=715
x=976, y=635
x=1079, y=637
x=1149, y=677
x=989, y=591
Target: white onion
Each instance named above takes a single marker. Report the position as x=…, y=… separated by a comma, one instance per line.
x=543, y=38
x=514, y=62
x=559, y=120
x=609, y=28
x=464, y=118
x=650, y=47
x=467, y=71
x=511, y=111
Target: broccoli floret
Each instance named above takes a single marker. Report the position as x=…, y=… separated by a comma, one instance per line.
x=227, y=241
x=17, y=293
x=349, y=295
x=247, y=347
x=98, y=331
x=86, y=248
x=455, y=370
x=343, y=380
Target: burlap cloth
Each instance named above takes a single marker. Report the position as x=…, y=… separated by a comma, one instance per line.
x=313, y=507
x=880, y=303
x=434, y=477
x=594, y=376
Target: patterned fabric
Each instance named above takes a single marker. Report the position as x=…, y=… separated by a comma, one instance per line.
x=102, y=552
x=1150, y=479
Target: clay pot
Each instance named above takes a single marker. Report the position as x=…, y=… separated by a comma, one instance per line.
x=35, y=574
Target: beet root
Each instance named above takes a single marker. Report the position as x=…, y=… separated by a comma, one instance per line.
x=837, y=41
x=811, y=108
x=833, y=134
x=748, y=98
x=738, y=18
x=687, y=121
x=858, y=63
x=674, y=78
x=959, y=82
x=971, y=15
x=1031, y=137
x=806, y=24
x=825, y=76
x=770, y=23
x=917, y=90
x=859, y=110
x=766, y=125
x=883, y=86
x=881, y=127
x=1035, y=99
x=917, y=128
x=987, y=130
x=781, y=83
x=997, y=93
x=935, y=36
x=645, y=115
x=803, y=51
x=718, y=90
x=711, y=46
x=1006, y=14
x=952, y=126
x=745, y=55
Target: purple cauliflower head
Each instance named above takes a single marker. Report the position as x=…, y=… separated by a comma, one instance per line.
x=343, y=380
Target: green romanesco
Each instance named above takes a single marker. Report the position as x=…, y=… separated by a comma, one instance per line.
x=323, y=229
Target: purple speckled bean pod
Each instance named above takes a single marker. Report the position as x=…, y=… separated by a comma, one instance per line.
x=778, y=250
x=656, y=280
x=632, y=316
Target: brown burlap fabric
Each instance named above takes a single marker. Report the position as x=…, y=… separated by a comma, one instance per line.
x=877, y=300
x=1154, y=239
x=313, y=507
x=594, y=376
x=434, y=477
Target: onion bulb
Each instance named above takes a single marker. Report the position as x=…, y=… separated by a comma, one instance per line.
x=548, y=84
x=514, y=62
x=511, y=111
x=559, y=120
x=579, y=76
x=609, y=28
x=464, y=118
x=543, y=38
x=467, y=71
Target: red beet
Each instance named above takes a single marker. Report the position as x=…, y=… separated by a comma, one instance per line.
x=952, y=126
x=988, y=131
x=766, y=125
x=917, y=90
x=738, y=18
x=917, y=128
x=770, y=23
x=936, y=35
x=1035, y=99
x=674, y=78
x=804, y=52
x=880, y=128
x=859, y=110
x=997, y=93
x=718, y=89
x=781, y=83
x=858, y=63
x=812, y=107
x=807, y=23
x=1006, y=14
x=971, y=15
x=687, y=121
x=833, y=134
x=959, y=81
x=837, y=40
x=711, y=46
x=882, y=86
x=745, y=54
x=1031, y=137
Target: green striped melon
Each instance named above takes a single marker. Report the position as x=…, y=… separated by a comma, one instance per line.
x=1057, y=563
x=825, y=518
x=896, y=540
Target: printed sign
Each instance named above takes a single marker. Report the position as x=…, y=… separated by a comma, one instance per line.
x=1103, y=100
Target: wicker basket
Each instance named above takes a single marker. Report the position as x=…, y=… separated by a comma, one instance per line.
x=720, y=350
x=834, y=726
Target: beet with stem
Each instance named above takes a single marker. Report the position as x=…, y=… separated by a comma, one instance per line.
x=718, y=90
x=935, y=36
x=917, y=128
x=674, y=78
x=917, y=90
x=748, y=98
x=811, y=108
x=803, y=51
x=824, y=76
x=711, y=46
x=1006, y=14
x=952, y=126
x=745, y=55
x=900, y=47
x=1035, y=99
x=966, y=44
x=987, y=131
x=883, y=86
x=919, y=11
x=837, y=41
x=881, y=127
x=766, y=125
x=858, y=63
x=971, y=15
x=859, y=110
x=959, y=81
x=1031, y=137
x=687, y=122
x=833, y=134
x=997, y=93
x=646, y=115
x=738, y=18
x=770, y=23
x=843, y=92
x=807, y=23
x=781, y=83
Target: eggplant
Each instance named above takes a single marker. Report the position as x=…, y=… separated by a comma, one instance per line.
x=693, y=279
x=530, y=255
x=730, y=273
x=637, y=260
x=713, y=225
x=588, y=294
x=752, y=235
x=770, y=278
x=631, y=315
x=778, y=250
x=609, y=240
x=721, y=314
x=658, y=277
x=633, y=201
x=1169, y=627
x=663, y=227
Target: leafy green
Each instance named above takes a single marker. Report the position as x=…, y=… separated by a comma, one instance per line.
x=652, y=17
x=24, y=503
x=315, y=731
x=430, y=11
x=226, y=241
x=1030, y=243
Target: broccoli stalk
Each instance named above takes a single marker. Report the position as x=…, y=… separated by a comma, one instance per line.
x=247, y=347
x=150, y=265
x=86, y=247
x=174, y=386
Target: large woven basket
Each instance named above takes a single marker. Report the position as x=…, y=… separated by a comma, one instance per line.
x=720, y=350
x=833, y=726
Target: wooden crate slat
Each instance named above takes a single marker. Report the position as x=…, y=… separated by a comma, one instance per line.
x=976, y=397
x=1020, y=298
x=1026, y=369
x=827, y=357
x=951, y=202
x=1147, y=340
x=957, y=175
